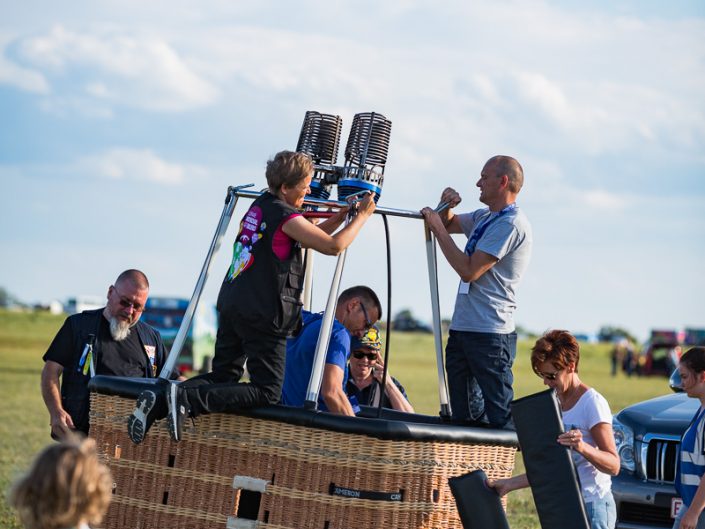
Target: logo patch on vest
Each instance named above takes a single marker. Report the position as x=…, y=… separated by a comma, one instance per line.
x=251, y=230
x=151, y=351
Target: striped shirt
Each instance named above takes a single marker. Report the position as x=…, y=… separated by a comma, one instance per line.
x=691, y=465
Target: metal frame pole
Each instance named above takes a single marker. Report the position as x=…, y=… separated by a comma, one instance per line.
x=230, y=202
x=319, y=359
x=436, y=313
x=308, y=280
x=379, y=210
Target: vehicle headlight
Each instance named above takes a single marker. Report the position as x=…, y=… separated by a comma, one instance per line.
x=624, y=438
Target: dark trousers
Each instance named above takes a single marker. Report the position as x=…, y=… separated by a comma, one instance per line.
x=479, y=367
x=221, y=389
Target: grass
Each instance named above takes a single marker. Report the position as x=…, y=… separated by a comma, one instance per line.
x=24, y=421
x=24, y=430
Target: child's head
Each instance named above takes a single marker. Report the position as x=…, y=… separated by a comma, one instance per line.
x=66, y=486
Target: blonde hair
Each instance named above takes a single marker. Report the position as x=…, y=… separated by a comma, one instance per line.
x=67, y=485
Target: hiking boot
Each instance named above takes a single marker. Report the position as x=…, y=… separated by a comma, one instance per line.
x=150, y=407
x=179, y=411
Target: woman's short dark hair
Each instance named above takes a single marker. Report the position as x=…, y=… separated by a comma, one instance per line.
x=694, y=359
x=558, y=347
x=287, y=168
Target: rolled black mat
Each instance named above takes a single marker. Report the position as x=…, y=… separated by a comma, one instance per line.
x=549, y=467
x=479, y=506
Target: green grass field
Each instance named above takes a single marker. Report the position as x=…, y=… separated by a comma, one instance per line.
x=24, y=421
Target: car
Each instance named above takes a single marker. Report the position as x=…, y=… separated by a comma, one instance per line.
x=661, y=352
x=648, y=436
x=407, y=323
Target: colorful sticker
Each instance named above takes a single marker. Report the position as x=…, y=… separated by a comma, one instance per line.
x=151, y=351
x=251, y=230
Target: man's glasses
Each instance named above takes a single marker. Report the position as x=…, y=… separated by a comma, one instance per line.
x=549, y=376
x=360, y=355
x=126, y=303
x=368, y=323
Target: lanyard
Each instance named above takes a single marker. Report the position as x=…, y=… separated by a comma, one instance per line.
x=480, y=229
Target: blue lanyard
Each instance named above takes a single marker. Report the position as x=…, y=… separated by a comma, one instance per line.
x=480, y=229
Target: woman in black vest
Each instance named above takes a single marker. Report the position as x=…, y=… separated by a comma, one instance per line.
x=259, y=302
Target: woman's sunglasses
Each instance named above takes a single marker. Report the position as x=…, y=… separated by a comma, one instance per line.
x=549, y=376
x=360, y=355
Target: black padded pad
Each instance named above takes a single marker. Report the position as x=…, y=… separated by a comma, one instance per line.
x=549, y=467
x=478, y=505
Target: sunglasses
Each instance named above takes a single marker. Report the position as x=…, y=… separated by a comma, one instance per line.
x=368, y=323
x=360, y=355
x=126, y=303
x=549, y=376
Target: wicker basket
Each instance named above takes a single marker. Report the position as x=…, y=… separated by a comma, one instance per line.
x=233, y=471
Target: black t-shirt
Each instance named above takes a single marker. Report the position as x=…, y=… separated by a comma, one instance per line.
x=125, y=358
x=365, y=395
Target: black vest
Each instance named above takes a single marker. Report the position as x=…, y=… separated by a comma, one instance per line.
x=75, y=397
x=263, y=290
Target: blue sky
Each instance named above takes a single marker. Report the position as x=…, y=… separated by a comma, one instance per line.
x=124, y=122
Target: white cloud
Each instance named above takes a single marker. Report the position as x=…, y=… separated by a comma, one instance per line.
x=537, y=90
x=121, y=69
x=138, y=165
x=17, y=76
x=601, y=199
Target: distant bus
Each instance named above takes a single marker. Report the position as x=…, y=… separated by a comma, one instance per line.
x=166, y=315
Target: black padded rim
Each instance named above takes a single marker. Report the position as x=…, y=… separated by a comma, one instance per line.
x=394, y=426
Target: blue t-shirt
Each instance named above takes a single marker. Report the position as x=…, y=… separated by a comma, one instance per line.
x=300, y=351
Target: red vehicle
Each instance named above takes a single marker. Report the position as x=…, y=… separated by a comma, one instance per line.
x=661, y=352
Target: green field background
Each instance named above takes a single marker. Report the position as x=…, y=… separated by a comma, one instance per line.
x=24, y=430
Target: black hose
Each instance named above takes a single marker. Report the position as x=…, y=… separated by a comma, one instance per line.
x=389, y=312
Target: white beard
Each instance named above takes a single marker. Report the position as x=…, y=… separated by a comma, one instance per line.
x=119, y=329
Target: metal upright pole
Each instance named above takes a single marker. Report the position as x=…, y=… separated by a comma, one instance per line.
x=436, y=313
x=230, y=202
x=308, y=280
x=319, y=359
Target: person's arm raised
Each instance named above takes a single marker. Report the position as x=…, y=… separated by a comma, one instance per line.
x=396, y=397
x=450, y=220
x=334, y=221
x=469, y=268
x=312, y=236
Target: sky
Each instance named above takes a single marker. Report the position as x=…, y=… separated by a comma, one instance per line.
x=122, y=123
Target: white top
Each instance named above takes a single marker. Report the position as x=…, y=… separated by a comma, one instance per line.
x=591, y=409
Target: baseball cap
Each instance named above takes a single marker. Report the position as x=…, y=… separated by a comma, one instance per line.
x=369, y=340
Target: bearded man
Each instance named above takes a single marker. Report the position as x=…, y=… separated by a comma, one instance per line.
x=107, y=341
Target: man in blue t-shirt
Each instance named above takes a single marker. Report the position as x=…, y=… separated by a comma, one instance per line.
x=357, y=310
x=482, y=339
